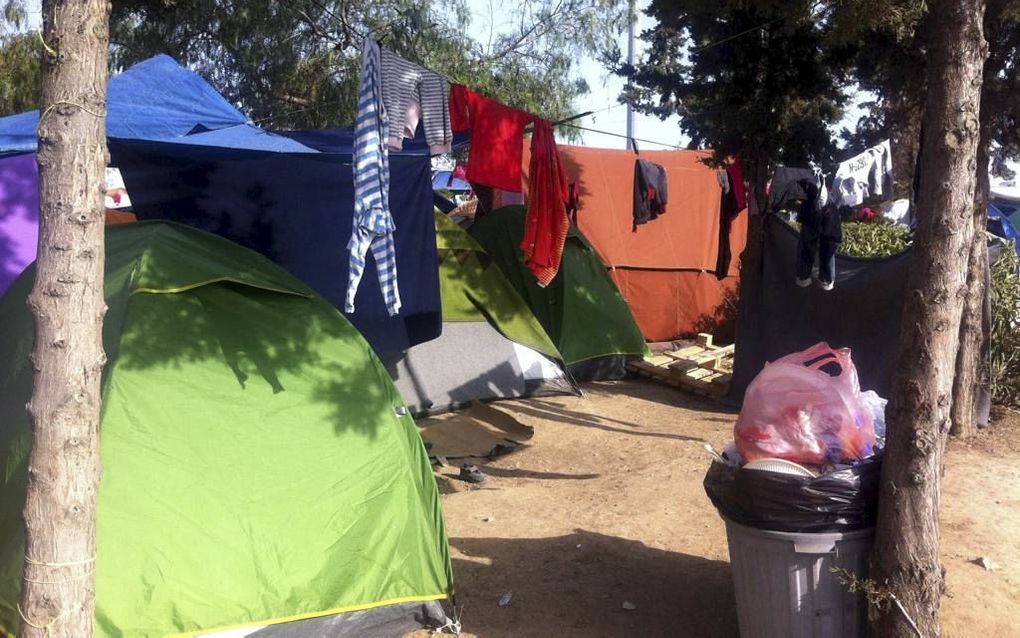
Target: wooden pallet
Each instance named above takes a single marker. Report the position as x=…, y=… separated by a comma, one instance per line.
x=703, y=368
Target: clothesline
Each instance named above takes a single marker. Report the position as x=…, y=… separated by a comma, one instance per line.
x=621, y=135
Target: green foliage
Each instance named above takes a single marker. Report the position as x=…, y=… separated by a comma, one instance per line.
x=884, y=40
x=295, y=62
x=874, y=239
x=19, y=70
x=1000, y=92
x=751, y=79
x=1005, y=337
x=12, y=12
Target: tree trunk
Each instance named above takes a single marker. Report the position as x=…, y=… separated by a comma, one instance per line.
x=905, y=562
x=58, y=591
x=972, y=374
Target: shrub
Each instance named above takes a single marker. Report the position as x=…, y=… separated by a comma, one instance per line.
x=1005, y=332
x=873, y=239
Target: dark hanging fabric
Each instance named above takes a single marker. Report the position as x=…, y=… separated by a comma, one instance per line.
x=821, y=233
x=296, y=209
x=734, y=200
x=650, y=191
x=864, y=313
x=787, y=187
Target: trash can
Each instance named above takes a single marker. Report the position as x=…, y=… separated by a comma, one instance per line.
x=785, y=586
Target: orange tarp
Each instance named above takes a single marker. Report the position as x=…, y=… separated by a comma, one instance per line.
x=665, y=269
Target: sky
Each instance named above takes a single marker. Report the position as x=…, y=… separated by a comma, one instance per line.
x=609, y=114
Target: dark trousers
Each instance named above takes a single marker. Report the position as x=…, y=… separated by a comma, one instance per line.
x=815, y=247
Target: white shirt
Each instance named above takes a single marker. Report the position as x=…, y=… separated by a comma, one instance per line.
x=863, y=176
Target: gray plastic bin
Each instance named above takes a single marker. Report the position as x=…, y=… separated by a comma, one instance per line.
x=785, y=587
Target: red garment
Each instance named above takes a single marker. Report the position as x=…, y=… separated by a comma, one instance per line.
x=546, y=225
x=497, y=132
x=736, y=174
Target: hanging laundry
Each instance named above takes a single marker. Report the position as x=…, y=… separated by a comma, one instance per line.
x=821, y=233
x=864, y=176
x=651, y=193
x=497, y=134
x=411, y=94
x=786, y=190
x=372, y=221
x=734, y=200
x=546, y=224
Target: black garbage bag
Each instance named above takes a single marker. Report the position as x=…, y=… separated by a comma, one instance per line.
x=840, y=501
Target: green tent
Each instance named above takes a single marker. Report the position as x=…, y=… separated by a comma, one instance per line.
x=259, y=465
x=492, y=346
x=475, y=289
x=581, y=310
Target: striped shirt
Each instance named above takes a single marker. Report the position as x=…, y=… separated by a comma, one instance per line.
x=405, y=86
x=373, y=225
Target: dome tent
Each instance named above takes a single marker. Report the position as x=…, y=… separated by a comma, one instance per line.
x=259, y=465
x=492, y=345
x=581, y=309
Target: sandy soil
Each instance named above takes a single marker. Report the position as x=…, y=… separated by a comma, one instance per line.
x=605, y=505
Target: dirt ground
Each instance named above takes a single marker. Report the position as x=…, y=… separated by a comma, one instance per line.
x=604, y=506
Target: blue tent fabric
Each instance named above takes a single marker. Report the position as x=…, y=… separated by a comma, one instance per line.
x=156, y=99
x=341, y=140
x=17, y=133
x=297, y=209
x=1000, y=225
x=244, y=137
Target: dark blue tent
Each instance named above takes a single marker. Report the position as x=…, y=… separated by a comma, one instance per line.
x=187, y=155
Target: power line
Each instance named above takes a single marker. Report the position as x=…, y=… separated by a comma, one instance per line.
x=738, y=35
x=592, y=130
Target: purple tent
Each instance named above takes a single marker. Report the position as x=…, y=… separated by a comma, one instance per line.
x=19, y=215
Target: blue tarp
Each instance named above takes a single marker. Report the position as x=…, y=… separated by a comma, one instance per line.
x=153, y=100
x=1000, y=225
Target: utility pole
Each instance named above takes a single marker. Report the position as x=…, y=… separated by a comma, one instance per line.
x=631, y=25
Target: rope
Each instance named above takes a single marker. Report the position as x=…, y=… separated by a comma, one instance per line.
x=29, y=559
x=585, y=128
x=48, y=48
x=48, y=627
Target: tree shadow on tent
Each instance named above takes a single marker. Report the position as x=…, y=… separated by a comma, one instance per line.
x=721, y=322
x=575, y=585
x=253, y=345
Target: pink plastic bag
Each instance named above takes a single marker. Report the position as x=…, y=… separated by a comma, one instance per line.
x=794, y=410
